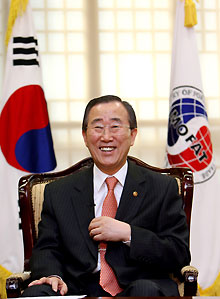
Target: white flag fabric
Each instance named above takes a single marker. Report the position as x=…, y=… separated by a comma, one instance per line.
x=25, y=136
x=189, y=145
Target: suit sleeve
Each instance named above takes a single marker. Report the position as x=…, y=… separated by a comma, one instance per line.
x=47, y=258
x=166, y=246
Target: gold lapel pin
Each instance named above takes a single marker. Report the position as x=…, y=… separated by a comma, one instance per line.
x=135, y=193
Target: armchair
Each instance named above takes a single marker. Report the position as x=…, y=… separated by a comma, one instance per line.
x=31, y=190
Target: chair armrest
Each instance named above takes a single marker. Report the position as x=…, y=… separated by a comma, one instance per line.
x=186, y=280
x=15, y=283
x=190, y=276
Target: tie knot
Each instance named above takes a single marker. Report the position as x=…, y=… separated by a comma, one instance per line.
x=111, y=182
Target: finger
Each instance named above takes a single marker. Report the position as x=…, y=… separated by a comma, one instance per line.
x=54, y=285
x=98, y=237
x=96, y=231
x=63, y=289
x=37, y=282
x=94, y=223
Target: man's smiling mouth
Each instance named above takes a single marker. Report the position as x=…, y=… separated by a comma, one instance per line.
x=107, y=148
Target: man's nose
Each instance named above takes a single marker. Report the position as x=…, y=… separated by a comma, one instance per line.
x=106, y=134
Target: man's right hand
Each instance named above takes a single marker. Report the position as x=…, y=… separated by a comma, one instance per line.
x=55, y=282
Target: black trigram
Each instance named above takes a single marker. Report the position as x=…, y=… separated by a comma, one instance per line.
x=25, y=51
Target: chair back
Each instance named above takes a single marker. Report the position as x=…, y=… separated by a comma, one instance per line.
x=31, y=195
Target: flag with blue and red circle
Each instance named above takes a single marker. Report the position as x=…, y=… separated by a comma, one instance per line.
x=26, y=144
x=25, y=135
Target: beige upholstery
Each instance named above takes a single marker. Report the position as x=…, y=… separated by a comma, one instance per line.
x=37, y=196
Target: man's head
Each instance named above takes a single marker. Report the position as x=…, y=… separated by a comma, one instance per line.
x=108, y=99
x=109, y=130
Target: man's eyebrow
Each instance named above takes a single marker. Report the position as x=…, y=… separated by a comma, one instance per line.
x=94, y=121
x=116, y=119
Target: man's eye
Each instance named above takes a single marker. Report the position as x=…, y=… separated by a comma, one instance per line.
x=115, y=127
x=98, y=127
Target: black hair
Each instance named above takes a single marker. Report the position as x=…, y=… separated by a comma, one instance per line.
x=107, y=99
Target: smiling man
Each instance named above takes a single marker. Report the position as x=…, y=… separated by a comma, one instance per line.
x=97, y=236
x=109, y=133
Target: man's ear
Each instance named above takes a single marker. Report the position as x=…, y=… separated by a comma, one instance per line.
x=84, y=137
x=133, y=135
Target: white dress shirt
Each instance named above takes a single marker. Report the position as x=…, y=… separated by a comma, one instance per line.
x=101, y=190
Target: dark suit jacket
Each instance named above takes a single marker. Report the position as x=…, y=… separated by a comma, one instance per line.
x=159, y=234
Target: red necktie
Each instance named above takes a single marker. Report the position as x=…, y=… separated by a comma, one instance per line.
x=108, y=281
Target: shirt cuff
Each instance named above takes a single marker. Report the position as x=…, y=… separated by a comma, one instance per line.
x=128, y=243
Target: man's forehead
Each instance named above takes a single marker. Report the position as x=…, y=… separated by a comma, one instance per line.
x=108, y=110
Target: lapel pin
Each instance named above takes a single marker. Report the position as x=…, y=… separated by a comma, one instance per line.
x=135, y=193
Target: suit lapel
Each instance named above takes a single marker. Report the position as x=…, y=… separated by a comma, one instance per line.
x=134, y=191
x=84, y=205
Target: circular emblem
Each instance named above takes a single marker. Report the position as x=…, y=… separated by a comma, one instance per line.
x=189, y=141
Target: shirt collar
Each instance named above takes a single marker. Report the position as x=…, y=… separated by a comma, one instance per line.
x=99, y=176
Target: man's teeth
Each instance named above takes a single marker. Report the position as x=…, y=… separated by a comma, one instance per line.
x=106, y=149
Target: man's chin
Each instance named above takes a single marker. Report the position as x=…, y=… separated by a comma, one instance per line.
x=108, y=166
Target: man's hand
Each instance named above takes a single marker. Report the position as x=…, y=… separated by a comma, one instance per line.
x=55, y=282
x=109, y=229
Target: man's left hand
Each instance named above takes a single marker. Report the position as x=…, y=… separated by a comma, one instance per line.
x=107, y=229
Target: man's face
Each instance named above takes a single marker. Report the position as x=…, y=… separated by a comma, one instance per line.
x=109, y=146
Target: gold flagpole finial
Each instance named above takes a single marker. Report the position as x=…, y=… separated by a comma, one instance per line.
x=190, y=13
x=17, y=8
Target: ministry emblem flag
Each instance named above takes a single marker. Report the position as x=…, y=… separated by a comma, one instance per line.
x=25, y=135
x=189, y=145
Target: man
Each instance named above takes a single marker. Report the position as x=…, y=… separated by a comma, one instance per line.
x=78, y=239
